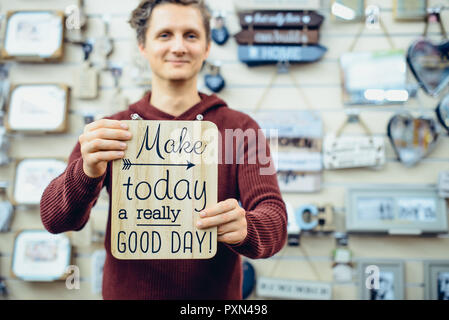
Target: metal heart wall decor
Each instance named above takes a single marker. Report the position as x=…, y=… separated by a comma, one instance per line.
x=442, y=111
x=429, y=64
x=412, y=138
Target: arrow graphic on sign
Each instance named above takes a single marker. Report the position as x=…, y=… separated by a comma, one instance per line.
x=127, y=164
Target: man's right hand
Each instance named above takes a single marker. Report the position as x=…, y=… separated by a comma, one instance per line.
x=101, y=142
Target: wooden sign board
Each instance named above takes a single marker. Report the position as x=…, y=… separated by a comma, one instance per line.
x=264, y=54
x=168, y=175
x=280, y=19
x=276, y=4
x=277, y=36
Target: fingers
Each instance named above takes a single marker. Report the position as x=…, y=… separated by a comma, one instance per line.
x=232, y=237
x=237, y=214
x=103, y=145
x=220, y=207
x=107, y=134
x=94, y=158
x=105, y=123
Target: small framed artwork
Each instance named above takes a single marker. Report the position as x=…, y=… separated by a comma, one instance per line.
x=395, y=210
x=40, y=256
x=32, y=177
x=364, y=81
x=381, y=279
x=436, y=280
x=35, y=36
x=38, y=108
x=408, y=10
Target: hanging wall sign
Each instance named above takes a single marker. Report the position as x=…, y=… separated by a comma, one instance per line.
x=364, y=80
x=350, y=151
x=213, y=80
x=277, y=36
x=412, y=138
x=299, y=137
x=409, y=9
x=442, y=112
x=40, y=256
x=35, y=36
x=219, y=32
x=293, y=289
x=429, y=64
x=38, y=108
x=86, y=77
x=280, y=19
x=168, y=175
x=32, y=177
x=276, y=4
x=395, y=210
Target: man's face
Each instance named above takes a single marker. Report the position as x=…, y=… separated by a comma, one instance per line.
x=175, y=44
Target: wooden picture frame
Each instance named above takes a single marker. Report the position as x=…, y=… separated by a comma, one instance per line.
x=40, y=256
x=410, y=10
x=391, y=279
x=38, y=108
x=34, y=36
x=32, y=193
x=395, y=210
x=436, y=280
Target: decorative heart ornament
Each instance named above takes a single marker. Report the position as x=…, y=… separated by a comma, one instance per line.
x=443, y=112
x=430, y=65
x=215, y=82
x=220, y=36
x=412, y=138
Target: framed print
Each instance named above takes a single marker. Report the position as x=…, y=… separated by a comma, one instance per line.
x=35, y=36
x=32, y=177
x=436, y=280
x=381, y=279
x=409, y=10
x=348, y=10
x=395, y=210
x=364, y=80
x=38, y=108
x=40, y=256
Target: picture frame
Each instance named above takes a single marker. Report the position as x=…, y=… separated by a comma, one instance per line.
x=40, y=256
x=34, y=36
x=390, y=275
x=364, y=82
x=32, y=176
x=395, y=209
x=436, y=280
x=38, y=108
x=409, y=10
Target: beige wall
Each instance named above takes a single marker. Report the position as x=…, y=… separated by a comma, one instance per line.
x=321, y=84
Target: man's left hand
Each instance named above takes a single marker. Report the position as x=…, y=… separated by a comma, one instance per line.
x=228, y=217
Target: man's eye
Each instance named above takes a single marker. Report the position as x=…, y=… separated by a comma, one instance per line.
x=163, y=35
x=192, y=36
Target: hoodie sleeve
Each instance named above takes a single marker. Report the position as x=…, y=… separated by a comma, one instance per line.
x=66, y=202
x=260, y=196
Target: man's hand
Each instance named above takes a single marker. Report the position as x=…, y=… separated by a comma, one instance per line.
x=230, y=219
x=101, y=142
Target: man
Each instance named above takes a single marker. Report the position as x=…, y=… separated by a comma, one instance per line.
x=174, y=36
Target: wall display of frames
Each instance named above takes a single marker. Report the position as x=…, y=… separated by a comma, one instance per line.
x=38, y=108
x=32, y=176
x=34, y=36
x=395, y=210
x=40, y=256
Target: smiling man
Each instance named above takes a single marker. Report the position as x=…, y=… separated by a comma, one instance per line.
x=250, y=216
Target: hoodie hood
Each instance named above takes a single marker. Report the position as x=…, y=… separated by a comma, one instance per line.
x=197, y=112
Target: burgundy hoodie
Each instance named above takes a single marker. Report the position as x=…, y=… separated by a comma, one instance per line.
x=67, y=201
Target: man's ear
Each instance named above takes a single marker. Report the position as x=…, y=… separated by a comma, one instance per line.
x=141, y=48
x=208, y=50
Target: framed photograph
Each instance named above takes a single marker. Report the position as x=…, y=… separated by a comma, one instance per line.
x=40, y=256
x=32, y=177
x=364, y=80
x=436, y=280
x=381, y=279
x=408, y=10
x=395, y=210
x=348, y=10
x=35, y=36
x=38, y=108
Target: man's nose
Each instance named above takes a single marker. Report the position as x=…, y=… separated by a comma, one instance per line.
x=179, y=47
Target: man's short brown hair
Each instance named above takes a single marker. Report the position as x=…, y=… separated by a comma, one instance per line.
x=140, y=17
